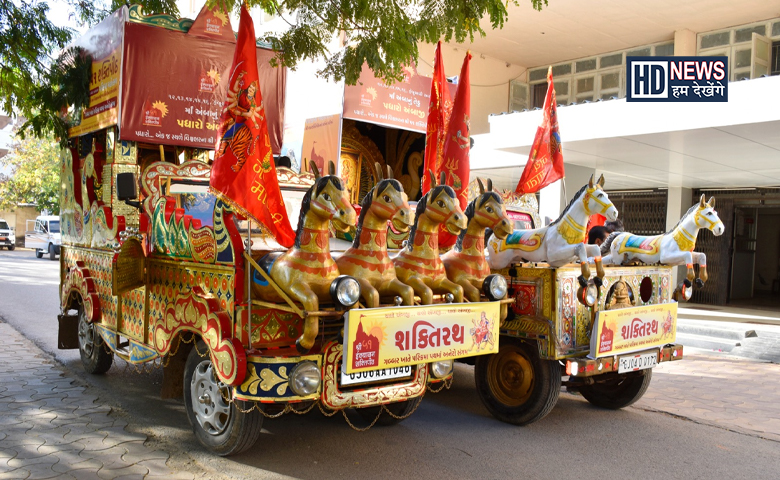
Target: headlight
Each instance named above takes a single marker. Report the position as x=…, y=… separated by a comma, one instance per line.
x=441, y=369
x=588, y=295
x=345, y=291
x=494, y=287
x=305, y=379
x=683, y=293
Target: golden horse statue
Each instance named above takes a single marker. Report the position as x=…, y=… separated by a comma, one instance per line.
x=367, y=259
x=465, y=264
x=418, y=264
x=305, y=271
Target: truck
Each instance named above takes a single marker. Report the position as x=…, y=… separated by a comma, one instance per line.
x=44, y=237
x=155, y=269
x=7, y=235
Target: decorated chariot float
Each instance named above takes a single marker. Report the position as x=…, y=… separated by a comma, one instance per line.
x=156, y=269
x=360, y=313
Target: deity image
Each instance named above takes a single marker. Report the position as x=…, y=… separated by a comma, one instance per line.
x=241, y=107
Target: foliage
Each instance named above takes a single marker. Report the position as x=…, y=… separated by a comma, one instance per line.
x=30, y=80
x=35, y=175
x=382, y=33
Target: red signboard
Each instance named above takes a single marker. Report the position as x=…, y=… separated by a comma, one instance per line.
x=174, y=85
x=402, y=105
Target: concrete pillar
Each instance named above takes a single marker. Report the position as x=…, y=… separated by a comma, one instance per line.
x=678, y=201
x=684, y=43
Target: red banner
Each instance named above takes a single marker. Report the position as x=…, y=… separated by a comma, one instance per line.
x=457, y=145
x=173, y=86
x=439, y=109
x=545, y=163
x=243, y=173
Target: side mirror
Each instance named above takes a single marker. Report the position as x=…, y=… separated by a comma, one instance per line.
x=125, y=189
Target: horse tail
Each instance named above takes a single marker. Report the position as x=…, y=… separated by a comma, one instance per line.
x=605, y=246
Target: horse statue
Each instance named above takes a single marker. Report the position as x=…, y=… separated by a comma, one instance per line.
x=305, y=271
x=367, y=259
x=672, y=248
x=465, y=263
x=560, y=242
x=418, y=264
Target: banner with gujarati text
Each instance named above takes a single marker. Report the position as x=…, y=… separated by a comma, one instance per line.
x=104, y=43
x=397, y=336
x=628, y=330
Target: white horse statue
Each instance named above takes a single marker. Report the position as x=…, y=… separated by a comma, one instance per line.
x=560, y=242
x=672, y=248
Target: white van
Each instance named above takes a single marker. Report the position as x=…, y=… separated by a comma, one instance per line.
x=45, y=236
x=7, y=235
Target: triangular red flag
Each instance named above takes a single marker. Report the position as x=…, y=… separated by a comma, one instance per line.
x=457, y=145
x=437, y=121
x=545, y=162
x=243, y=173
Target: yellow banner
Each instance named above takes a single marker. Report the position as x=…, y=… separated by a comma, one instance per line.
x=397, y=336
x=629, y=330
x=103, y=96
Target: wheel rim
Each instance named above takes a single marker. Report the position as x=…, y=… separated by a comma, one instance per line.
x=212, y=411
x=86, y=335
x=511, y=376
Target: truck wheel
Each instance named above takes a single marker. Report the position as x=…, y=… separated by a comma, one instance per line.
x=515, y=385
x=52, y=253
x=38, y=253
x=95, y=356
x=398, y=409
x=11, y=247
x=618, y=391
x=221, y=426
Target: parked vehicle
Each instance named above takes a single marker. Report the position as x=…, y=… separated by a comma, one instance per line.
x=7, y=235
x=45, y=237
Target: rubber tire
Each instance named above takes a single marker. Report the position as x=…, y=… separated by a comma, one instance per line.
x=52, y=253
x=399, y=409
x=243, y=429
x=540, y=396
x=619, y=391
x=11, y=248
x=99, y=358
x=38, y=253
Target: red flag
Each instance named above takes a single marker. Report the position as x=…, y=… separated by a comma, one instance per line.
x=243, y=173
x=545, y=163
x=437, y=121
x=457, y=144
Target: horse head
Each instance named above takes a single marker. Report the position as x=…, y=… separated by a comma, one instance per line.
x=329, y=200
x=488, y=211
x=596, y=200
x=440, y=205
x=707, y=217
x=387, y=201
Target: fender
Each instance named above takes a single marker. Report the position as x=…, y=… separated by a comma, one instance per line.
x=79, y=280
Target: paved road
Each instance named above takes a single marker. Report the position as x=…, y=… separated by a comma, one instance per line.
x=450, y=435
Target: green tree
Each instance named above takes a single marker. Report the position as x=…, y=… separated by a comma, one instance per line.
x=382, y=33
x=34, y=175
x=30, y=78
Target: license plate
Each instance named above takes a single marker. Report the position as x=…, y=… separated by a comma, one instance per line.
x=375, y=375
x=632, y=363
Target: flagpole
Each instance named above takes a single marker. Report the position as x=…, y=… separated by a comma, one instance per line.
x=565, y=197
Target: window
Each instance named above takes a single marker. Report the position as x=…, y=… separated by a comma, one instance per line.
x=715, y=40
x=774, y=67
x=746, y=34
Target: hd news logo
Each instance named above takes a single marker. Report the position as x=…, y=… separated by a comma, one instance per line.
x=677, y=79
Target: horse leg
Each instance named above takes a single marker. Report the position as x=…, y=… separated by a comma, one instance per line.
x=582, y=252
x=421, y=289
x=368, y=292
x=401, y=289
x=593, y=251
x=701, y=260
x=311, y=325
x=452, y=288
x=470, y=291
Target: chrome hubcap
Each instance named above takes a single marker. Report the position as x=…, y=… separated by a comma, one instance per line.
x=212, y=411
x=86, y=335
